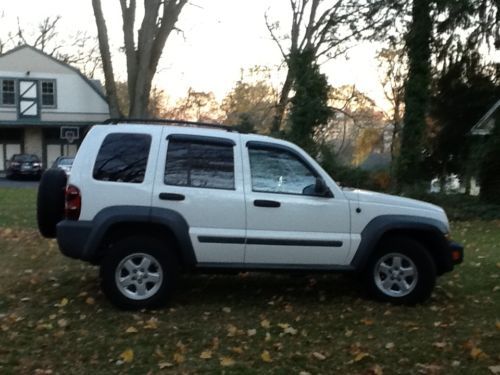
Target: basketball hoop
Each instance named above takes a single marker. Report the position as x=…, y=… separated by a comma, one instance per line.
x=70, y=133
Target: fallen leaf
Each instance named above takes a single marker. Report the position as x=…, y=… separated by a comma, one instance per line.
x=477, y=353
x=226, y=361
x=163, y=365
x=367, y=322
x=265, y=324
x=497, y=324
x=252, y=332
x=179, y=358
x=389, y=345
x=90, y=301
x=237, y=349
x=494, y=369
x=266, y=357
x=127, y=356
x=348, y=333
x=376, y=370
x=206, y=354
x=151, y=324
x=319, y=356
x=360, y=356
x=227, y=310
x=131, y=329
x=63, y=302
x=62, y=323
x=232, y=330
x=439, y=345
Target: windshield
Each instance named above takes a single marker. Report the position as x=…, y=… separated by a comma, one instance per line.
x=24, y=158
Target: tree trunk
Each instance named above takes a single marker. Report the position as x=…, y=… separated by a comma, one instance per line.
x=102, y=32
x=282, y=103
x=416, y=94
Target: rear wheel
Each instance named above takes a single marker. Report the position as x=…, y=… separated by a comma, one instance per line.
x=402, y=272
x=139, y=272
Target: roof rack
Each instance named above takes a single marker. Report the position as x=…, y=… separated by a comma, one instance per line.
x=115, y=121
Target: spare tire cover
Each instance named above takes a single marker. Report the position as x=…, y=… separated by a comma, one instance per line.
x=50, y=201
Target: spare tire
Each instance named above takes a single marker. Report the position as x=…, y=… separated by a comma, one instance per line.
x=50, y=201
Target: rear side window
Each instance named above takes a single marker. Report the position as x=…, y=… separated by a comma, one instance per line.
x=202, y=165
x=123, y=158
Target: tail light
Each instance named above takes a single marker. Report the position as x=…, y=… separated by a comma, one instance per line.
x=73, y=203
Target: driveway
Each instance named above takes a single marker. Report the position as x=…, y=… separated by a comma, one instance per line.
x=24, y=183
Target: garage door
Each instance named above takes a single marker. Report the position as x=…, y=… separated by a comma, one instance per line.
x=6, y=152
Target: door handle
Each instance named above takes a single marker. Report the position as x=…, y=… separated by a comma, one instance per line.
x=171, y=197
x=266, y=203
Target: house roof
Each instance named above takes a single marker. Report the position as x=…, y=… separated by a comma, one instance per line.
x=484, y=126
x=87, y=80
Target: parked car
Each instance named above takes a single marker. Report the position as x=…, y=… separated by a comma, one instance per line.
x=147, y=202
x=65, y=163
x=27, y=165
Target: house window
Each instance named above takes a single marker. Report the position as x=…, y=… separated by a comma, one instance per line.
x=48, y=93
x=8, y=92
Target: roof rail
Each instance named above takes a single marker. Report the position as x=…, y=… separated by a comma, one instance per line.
x=161, y=121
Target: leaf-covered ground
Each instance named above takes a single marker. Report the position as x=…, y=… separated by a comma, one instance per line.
x=54, y=320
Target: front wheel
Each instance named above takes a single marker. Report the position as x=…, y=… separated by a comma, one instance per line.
x=402, y=272
x=139, y=272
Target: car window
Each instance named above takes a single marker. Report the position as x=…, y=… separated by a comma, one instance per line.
x=279, y=171
x=123, y=158
x=198, y=164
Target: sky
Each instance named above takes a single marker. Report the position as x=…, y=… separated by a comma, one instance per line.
x=218, y=39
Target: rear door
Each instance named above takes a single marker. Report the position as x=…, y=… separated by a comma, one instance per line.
x=199, y=176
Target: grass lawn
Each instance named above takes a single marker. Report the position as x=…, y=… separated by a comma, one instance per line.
x=54, y=320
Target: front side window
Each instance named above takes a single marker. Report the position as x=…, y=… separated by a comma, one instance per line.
x=8, y=92
x=279, y=171
x=198, y=164
x=48, y=94
x=123, y=158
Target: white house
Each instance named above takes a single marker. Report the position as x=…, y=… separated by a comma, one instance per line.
x=40, y=99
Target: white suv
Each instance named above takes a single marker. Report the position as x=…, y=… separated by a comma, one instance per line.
x=147, y=201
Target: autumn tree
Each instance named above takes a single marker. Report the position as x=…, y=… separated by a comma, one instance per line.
x=393, y=64
x=250, y=103
x=143, y=54
x=324, y=29
x=196, y=106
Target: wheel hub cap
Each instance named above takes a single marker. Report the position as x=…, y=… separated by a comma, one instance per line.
x=395, y=275
x=139, y=276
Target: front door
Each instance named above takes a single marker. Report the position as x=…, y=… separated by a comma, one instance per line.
x=287, y=225
x=28, y=107
x=200, y=177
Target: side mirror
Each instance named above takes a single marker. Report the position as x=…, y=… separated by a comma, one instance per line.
x=321, y=189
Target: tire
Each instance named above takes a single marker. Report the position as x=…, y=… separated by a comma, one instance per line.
x=50, y=201
x=401, y=272
x=131, y=284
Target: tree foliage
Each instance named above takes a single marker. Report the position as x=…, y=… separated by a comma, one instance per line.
x=250, y=104
x=309, y=106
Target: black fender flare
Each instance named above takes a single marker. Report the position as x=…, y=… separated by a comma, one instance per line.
x=111, y=217
x=381, y=225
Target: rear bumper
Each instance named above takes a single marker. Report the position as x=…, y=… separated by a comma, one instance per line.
x=456, y=251
x=73, y=237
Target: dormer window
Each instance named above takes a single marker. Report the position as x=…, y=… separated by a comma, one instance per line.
x=8, y=92
x=48, y=89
